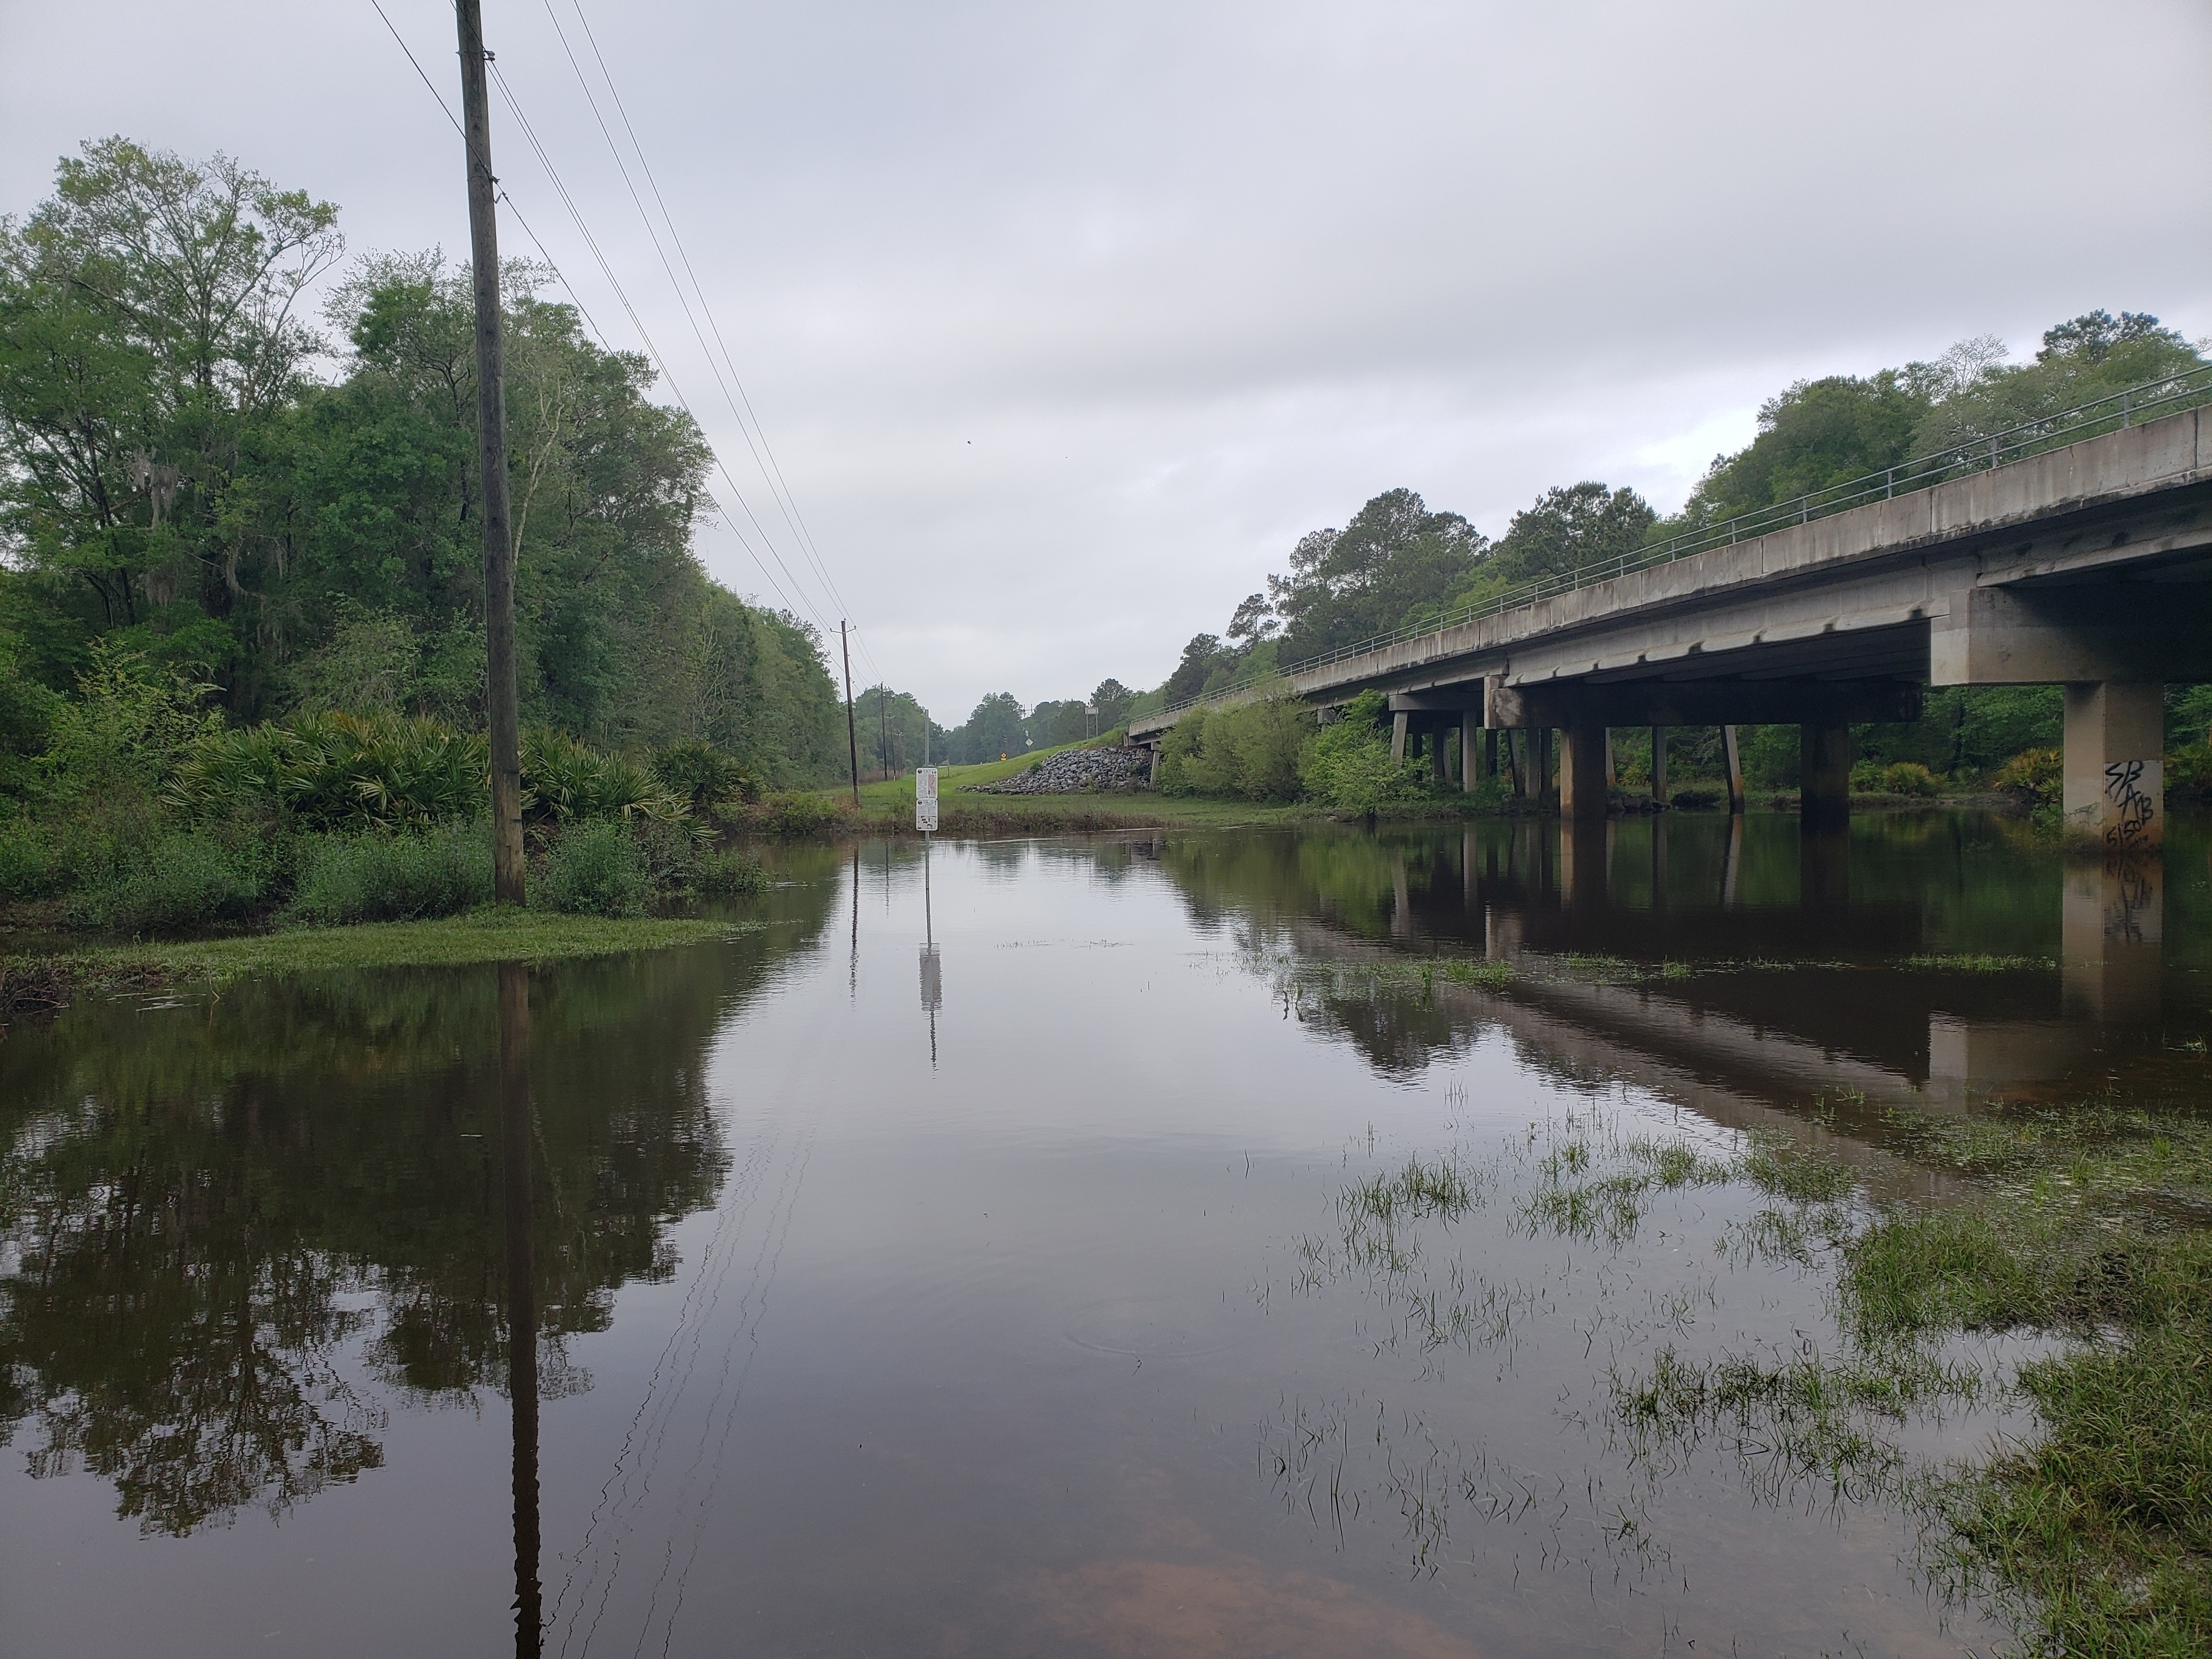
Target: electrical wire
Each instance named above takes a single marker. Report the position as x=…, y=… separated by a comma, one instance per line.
x=581, y=309
x=764, y=456
x=660, y=361
x=763, y=453
x=606, y=270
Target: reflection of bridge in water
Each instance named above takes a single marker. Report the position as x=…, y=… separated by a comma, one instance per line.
x=1727, y=964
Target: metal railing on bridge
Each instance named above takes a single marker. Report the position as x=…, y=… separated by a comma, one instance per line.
x=2136, y=404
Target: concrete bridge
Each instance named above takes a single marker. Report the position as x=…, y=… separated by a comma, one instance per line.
x=2087, y=566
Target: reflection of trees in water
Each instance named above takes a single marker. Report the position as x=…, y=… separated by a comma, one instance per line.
x=207, y=1205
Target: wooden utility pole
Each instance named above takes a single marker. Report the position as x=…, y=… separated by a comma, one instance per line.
x=884, y=724
x=501, y=700
x=852, y=732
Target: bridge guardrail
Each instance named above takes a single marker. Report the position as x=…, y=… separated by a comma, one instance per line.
x=2129, y=406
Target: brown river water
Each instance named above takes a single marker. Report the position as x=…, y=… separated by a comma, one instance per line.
x=965, y=1256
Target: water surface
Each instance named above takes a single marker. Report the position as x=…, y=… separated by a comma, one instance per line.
x=959, y=1260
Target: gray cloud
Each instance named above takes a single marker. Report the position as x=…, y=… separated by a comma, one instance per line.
x=1067, y=321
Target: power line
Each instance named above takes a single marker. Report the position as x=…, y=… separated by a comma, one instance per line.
x=763, y=455
x=574, y=213
x=591, y=242
x=772, y=470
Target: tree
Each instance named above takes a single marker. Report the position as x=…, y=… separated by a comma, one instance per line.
x=1112, y=700
x=2091, y=356
x=1199, y=660
x=1392, y=562
x=994, y=728
x=1564, y=528
x=149, y=343
x=1816, y=434
x=175, y=480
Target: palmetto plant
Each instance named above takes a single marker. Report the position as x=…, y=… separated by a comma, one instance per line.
x=564, y=781
x=337, y=771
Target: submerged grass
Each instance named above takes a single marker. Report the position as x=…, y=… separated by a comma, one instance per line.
x=2088, y=1224
x=2087, y=1229
x=1973, y=964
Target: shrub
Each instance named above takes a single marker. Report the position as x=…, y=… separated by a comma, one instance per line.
x=1904, y=778
x=337, y=771
x=2189, y=775
x=1183, y=769
x=595, y=868
x=563, y=781
x=39, y=860
x=384, y=878
x=1252, y=750
x=2034, y=778
x=181, y=881
x=1348, y=764
x=793, y=813
x=712, y=783
x=721, y=875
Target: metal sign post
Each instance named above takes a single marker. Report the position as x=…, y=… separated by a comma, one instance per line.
x=925, y=799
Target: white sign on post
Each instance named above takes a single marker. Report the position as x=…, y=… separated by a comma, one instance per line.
x=925, y=799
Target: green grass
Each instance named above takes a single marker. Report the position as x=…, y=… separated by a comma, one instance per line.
x=2094, y=1530
x=480, y=936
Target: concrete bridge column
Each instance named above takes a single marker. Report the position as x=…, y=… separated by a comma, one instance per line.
x=1400, y=723
x=1489, y=753
x=1539, y=756
x=1824, y=773
x=1659, y=764
x=1582, y=772
x=1437, y=767
x=1470, y=723
x=1732, y=763
x=2115, y=772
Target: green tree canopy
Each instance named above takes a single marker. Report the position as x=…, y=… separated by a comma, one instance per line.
x=1395, y=560
x=1564, y=529
x=191, y=471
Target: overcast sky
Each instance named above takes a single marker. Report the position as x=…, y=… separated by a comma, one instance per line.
x=1065, y=322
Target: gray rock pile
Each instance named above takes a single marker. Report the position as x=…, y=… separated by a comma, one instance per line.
x=1076, y=771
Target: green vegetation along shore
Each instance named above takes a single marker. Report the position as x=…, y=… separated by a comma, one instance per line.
x=32, y=983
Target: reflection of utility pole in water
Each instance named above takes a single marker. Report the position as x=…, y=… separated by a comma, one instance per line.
x=2111, y=918
x=853, y=973
x=515, y=1122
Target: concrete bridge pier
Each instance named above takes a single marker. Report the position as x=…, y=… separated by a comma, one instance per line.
x=1582, y=792
x=2114, y=645
x=1659, y=765
x=2114, y=793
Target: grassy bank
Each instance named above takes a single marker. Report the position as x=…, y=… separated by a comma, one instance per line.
x=30, y=983
x=2090, y=1224
x=2088, y=1227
